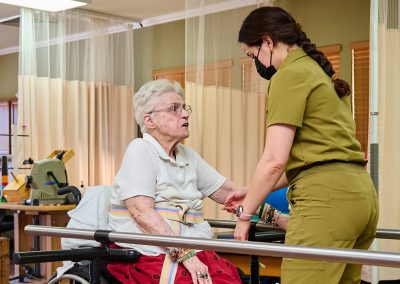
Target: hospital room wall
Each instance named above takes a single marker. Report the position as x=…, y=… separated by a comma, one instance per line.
x=325, y=22
x=158, y=47
x=163, y=46
x=329, y=22
x=8, y=76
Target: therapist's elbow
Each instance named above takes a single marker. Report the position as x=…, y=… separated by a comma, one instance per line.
x=277, y=168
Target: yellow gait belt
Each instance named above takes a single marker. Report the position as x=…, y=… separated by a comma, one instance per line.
x=181, y=214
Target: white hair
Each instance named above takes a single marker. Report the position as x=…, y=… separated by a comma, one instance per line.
x=146, y=98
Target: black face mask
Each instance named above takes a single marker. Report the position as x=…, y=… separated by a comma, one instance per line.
x=265, y=72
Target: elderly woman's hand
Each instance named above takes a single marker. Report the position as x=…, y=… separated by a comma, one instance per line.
x=234, y=199
x=198, y=270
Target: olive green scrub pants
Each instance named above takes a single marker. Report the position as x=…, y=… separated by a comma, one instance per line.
x=332, y=205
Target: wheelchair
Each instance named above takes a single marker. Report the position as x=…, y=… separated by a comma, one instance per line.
x=85, y=261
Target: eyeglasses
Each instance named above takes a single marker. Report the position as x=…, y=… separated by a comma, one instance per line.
x=176, y=108
x=253, y=56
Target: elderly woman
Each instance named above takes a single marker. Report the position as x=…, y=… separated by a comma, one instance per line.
x=159, y=189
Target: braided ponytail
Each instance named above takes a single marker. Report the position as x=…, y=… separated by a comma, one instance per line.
x=342, y=87
x=282, y=27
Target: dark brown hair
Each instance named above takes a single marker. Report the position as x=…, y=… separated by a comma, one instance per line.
x=281, y=27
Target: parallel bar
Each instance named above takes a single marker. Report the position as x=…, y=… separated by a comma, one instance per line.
x=227, y=224
x=387, y=234
x=262, y=249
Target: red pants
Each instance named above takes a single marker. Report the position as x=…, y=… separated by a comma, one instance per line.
x=148, y=269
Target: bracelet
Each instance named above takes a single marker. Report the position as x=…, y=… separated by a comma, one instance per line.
x=180, y=255
x=270, y=215
x=186, y=256
x=266, y=209
x=174, y=253
x=261, y=210
x=275, y=219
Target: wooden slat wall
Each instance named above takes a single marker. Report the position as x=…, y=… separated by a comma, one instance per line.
x=173, y=74
x=331, y=51
x=251, y=81
x=360, y=66
x=333, y=54
x=246, y=67
x=220, y=74
x=215, y=74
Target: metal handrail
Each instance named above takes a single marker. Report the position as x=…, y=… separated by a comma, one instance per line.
x=230, y=246
x=228, y=224
x=387, y=234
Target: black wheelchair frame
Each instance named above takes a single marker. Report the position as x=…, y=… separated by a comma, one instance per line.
x=95, y=255
x=98, y=256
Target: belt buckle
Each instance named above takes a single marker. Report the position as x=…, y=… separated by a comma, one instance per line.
x=187, y=224
x=184, y=221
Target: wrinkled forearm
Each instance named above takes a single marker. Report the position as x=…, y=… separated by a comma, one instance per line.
x=151, y=222
x=222, y=193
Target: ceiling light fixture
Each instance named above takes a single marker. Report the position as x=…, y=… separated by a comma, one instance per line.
x=47, y=5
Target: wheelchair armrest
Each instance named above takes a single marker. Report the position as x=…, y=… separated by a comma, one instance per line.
x=76, y=255
x=266, y=236
x=259, y=232
x=270, y=236
x=122, y=255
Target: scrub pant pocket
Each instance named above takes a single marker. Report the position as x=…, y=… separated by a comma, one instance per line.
x=334, y=208
x=311, y=271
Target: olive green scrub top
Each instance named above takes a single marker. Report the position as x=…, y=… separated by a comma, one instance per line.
x=303, y=95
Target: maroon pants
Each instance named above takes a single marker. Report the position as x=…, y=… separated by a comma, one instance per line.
x=148, y=269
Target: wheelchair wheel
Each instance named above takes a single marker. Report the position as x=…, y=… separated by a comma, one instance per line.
x=79, y=274
x=73, y=279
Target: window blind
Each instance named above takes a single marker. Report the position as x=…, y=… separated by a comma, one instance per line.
x=360, y=90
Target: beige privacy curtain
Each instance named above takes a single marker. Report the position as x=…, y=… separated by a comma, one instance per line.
x=228, y=119
x=389, y=126
x=74, y=92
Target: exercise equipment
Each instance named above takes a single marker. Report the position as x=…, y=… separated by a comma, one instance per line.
x=47, y=177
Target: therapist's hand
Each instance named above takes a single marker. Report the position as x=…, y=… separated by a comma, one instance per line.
x=242, y=230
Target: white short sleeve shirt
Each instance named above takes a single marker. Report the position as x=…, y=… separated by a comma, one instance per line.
x=147, y=170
